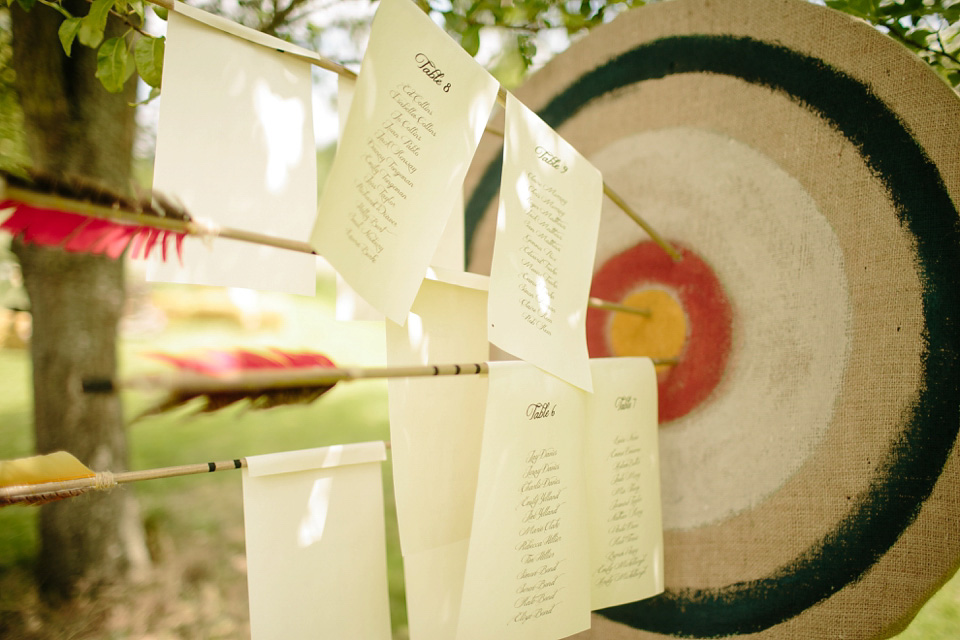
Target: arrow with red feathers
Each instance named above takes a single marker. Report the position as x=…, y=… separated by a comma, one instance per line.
x=223, y=378
x=266, y=379
x=81, y=216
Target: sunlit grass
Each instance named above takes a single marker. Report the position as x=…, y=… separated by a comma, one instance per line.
x=188, y=506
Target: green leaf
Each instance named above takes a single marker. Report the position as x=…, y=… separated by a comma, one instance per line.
x=93, y=24
x=573, y=22
x=148, y=54
x=860, y=8
x=920, y=36
x=27, y=4
x=136, y=7
x=514, y=15
x=67, y=32
x=114, y=65
x=154, y=93
x=160, y=11
x=471, y=39
x=454, y=21
x=899, y=10
x=527, y=48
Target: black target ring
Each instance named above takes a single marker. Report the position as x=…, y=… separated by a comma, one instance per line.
x=911, y=468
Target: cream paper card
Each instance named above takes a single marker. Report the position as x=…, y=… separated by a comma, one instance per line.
x=623, y=482
x=316, y=553
x=528, y=573
x=547, y=226
x=420, y=107
x=434, y=586
x=450, y=253
x=350, y=306
x=235, y=146
x=435, y=428
x=567, y=516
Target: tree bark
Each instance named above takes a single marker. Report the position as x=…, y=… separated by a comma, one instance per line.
x=74, y=126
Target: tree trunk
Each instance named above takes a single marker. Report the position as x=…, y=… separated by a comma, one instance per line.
x=74, y=126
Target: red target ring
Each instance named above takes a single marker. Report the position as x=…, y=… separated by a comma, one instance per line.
x=705, y=325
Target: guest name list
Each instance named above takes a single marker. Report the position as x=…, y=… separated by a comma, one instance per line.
x=391, y=158
x=544, y=229
x=624, y=559
x=419, y=107
x=539, y=553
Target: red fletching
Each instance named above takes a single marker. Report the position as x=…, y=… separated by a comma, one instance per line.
x=304, y=359
x=230, y=364
x=213, y=362
x=81, y=234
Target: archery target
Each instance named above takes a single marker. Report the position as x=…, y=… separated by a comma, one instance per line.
x=688, y=178
x=804, y=165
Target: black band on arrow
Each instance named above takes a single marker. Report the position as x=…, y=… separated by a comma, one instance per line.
x=98, y=385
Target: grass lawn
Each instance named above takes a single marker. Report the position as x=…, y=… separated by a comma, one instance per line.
x=194, y=524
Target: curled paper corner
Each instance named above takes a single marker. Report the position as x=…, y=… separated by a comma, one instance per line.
x=319, y=458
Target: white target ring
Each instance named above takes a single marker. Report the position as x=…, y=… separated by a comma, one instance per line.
x=776, y=255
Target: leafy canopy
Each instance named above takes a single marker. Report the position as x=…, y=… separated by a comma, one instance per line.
x=118, y=57
x=930, y=28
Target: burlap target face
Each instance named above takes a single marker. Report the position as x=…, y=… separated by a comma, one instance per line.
x=808, y=169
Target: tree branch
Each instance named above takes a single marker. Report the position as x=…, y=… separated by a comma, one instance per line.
x=901, y=37
x=943, y=49
x=281, y=16
x=125, y=19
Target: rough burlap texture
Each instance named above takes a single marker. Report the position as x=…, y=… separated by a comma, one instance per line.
x=897, y=346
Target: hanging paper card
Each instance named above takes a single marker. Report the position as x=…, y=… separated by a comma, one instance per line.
x=528, y=569
x=316, y=554
x=434, y=587
x=435, y=428
x=345, y=88
x=450, y=253
x=450, y=250
x=623, y=482
x=350, y=306
x=436, y=422
x=235, y=146
x=420, y=106
x=547, y=228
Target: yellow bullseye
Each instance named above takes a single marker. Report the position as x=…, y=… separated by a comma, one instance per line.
x=661, y=335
